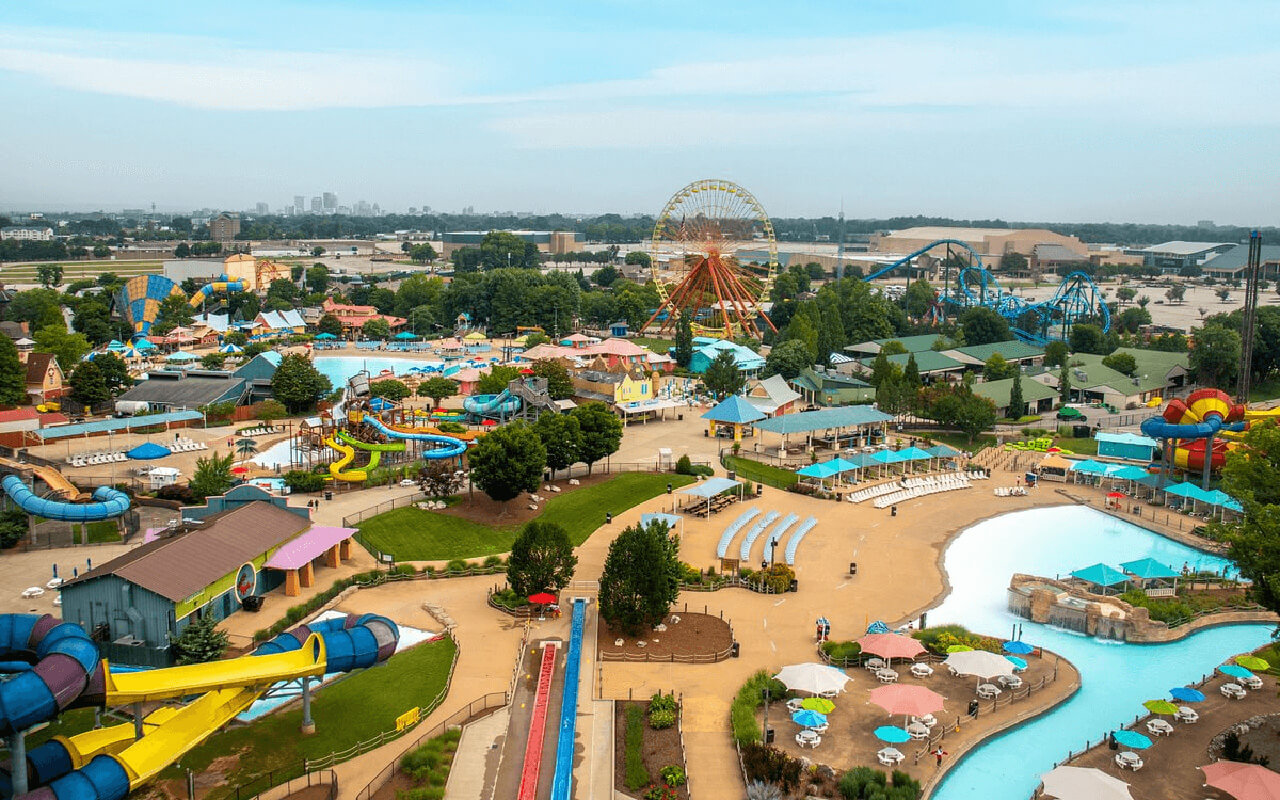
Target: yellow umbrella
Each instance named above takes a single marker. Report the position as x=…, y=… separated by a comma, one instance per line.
x=1254, y=663
x=1160, y=707
x=819, y=704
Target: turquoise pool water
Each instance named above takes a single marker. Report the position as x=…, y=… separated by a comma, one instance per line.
x=338, y=369
x=1116, y=678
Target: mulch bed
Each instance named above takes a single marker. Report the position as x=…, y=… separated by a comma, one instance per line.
x=696, y=634
x=661, y=749
x=485, y=511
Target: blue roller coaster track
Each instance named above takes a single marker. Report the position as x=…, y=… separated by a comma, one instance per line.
x=1077, y=298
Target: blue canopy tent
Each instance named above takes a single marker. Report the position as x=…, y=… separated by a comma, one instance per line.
x=942, y=451
x=148, y=451
x=182, y=356
x=1100, y=575
x=1189, y=491
x=671, y=519
x=1221, y=499
x=144, y=344
x=914, y=454
x=1130, y=473
x=230, y=349
x=406, y=336
x=711, y=487
x=1148, y=569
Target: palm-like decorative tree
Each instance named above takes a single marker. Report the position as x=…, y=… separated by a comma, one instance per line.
x=246, y=447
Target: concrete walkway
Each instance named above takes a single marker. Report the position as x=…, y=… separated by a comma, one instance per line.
x=475, y=764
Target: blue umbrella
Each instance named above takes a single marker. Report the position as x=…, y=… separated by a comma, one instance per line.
x=1185, y=694
x=1132, y=739
x=877, y=627
x=1019, y=663
x=1018, y=648
x=892, y=734
x=405, y=336
x=808, y=718
x=1235, y=671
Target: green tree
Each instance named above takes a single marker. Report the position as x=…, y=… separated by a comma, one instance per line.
x=1086, y=337
x=389, y=389
x=496, y=381
x=559, y=385
x=1055, y=353
x=182, y=250
x=212, y=360
x=893, y=348
x=998, y=368
x=918, y=298
x=911, y=376
x=974, y=414
x=317, y=278
x=1064, y=385
x=1131, y=320
x=36, y=307
x=422, y=253
x=542, y=559
x=601, y=432
x=329, y=324
x=271, y=410
x=437, y=389
x=1125, y=294
x=68, y=347
x=1175, y=293
x=376, y=328
x=562, y=437
x=246, y=447
x=88, y=387
x=317, y=251
x=1013, y=262
x=641, y=578
x=1252, y=476
x=1017, y=406
x=298, y=384
x=684, y=340
x=49, y=274
x=723, y=378
x=13, y=377
x=787, y=359
x=175, y=311
x=1121, y=362
x=639, y=257
x=982, y=325
x=201, y=641
x=881, y=369
x=606, y=276
x=101, y=250
x=212, y=475
x=507, y=461
x=1215, y=359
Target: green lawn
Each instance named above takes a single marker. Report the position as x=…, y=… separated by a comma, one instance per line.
x=957, y=440
x=97, y=532
x=654, y=344
x=411, y=534
x=1082, y=446
x=761, y=473
x=347, y=711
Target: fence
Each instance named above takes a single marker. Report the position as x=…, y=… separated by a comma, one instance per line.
x=729, y=582
x=473, y=709
x=381, y=508
x=673, y=658
x=322, y=778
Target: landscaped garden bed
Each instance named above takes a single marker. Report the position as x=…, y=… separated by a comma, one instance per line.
x=649, y=761
x=696, y=637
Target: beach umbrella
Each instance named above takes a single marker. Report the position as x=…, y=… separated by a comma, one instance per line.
x=808, y=718
x=182, y=355
x=813, y=678
x=230, y=348
x=1131, y=739
x=890, y=645
x=1160, y=707
x=1185, y=694
x=892, y=734
x=405, y=336
x=542, y=598
x=325, y=336
x=1253, y=663
x=1018, y=663
x=1115, y=495
x=1243, y=781
x=979, y=663
x=1083, y=783
x=239, y=470
x=1235, y=671
x=1018, y=648
x=959, y=648
x=147, y=451
x=910, y=699
x=820, y=704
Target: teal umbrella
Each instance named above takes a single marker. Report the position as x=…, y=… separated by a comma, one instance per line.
x=325, y=336
x=1131, y=739
x=808, y=718
x=892, y=734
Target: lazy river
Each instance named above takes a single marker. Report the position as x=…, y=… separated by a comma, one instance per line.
x=1115, y=677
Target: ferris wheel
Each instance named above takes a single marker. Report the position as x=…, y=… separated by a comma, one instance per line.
x=701, y=239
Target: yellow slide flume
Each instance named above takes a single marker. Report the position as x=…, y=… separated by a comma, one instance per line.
x=190, y=726
x=348, y=455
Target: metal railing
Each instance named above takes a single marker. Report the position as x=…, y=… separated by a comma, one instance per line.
x=381, y=508
x=282, y=790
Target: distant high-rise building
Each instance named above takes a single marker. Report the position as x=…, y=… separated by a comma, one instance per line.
x=300, y=203
x=377, y=210
x=288, y=211
x=1205, y=223
x=413, y=209
x=224, y=227
x=263, y=209
x=330, y=202
x=317, y=205
x=362, y=208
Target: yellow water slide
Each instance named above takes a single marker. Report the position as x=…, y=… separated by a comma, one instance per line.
x=336, y=468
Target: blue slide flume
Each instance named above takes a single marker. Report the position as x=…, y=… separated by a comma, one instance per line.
x=107, y=503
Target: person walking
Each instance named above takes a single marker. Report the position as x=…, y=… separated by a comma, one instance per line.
x=939, y=753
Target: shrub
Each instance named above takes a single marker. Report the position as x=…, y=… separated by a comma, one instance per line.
x=660, y=792
x=770, y=765
x=674, y=775
x=303, y=481
x=938, y=639
x=861, y=782
x=405, y=569
x=634, y=775
x=759, y=790
x=778, y=577
x=449, y=426
x=750, y=696
x=704, y=470
x=176, y=491
x=842, y=652
x=661, y=719
x=662, y=702
x=493, y=561
x=684, y=466
x=457, y=565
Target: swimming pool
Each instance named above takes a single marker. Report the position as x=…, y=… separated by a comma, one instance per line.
x=1115, y=677
x=338, y=369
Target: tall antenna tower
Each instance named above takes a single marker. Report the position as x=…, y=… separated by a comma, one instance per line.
x=1252, y=268
x=840, y=247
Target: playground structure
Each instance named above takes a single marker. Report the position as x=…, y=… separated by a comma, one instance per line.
x=347, y=444
x=697, y=235
x=524, y=398
x=1077, y=298
x=108, y=763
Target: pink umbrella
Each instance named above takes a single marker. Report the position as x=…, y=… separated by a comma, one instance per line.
x=909, y=699
x=890, y=645
x=1243, y=781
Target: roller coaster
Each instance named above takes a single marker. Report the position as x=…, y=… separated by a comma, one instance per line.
x=1077, y=298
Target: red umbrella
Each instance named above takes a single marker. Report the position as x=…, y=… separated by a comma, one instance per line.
x=239, y=470
x=489, y=422
x=1116, y=494
x=526, y=371
x=890, y=645
x=542, y=598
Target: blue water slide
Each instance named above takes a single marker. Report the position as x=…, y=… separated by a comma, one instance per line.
x=562, y=781
x=107, y=503
x=451, y=447
x=1158, y=427
x=351, y=642
x=491, y=404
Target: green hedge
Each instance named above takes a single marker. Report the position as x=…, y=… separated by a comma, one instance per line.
x=634, y=775
x=750, y=696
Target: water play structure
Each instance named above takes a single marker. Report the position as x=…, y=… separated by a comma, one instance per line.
x=1207, y=422
x=492, y=405
x=56, y=666
x=526, y=397
x=138, y=301
x=106, y=502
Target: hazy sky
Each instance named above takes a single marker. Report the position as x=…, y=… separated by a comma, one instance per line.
x=1156, y=112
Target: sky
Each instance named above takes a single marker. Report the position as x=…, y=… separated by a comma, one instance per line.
x=1079, y=111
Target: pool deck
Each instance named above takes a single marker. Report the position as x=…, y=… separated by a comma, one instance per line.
x=1170, y=770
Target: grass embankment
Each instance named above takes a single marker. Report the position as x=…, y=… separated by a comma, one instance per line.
x=96, y=532
x=957, y=440
x=749, y=470
x=411, y=534
x=347, y=711
x=76, y=270
x=1085, y=447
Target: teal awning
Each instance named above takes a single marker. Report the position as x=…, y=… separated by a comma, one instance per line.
x=1148, y=568
x=914, y=454
x=1130, y=473
x=942, y=451
x=1100, y=574
x=820, y=470
x=1189, y=490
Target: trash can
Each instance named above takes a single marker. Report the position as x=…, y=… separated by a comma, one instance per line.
x=893, y=511
x=973, y=708
x=608, y=518
x=853, y=567
x=1112, y=744
x=328, y=494
x=735, y=650
x=759, y=489
x=795, y=584
x=768, y=736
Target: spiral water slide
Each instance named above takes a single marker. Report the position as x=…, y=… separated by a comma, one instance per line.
x=448, y=447
x=489, y=405
x=57, y=667
x=107, y=502
x=1206, y=414
x=206, y=291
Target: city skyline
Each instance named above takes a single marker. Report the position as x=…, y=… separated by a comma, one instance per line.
x=1096, y=112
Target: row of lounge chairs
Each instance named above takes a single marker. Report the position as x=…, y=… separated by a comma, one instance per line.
x=185, y=445
x=1011, y=491
x=946, y=483
x=261, y=430
x=92, y=459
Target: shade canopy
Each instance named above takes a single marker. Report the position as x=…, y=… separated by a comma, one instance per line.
x=1148, y=568
x=542, y=598
x=1189, y=491
x=959, y=648
x=1100, y=574
x=230, y=348
x=1132, y=740
x=819, y=470
x=942, y=451
x=182, y=355
x=914, y=454
x=148, y=451
x=907, y=698
x=1083, y=783
x=325, y=336
x=890, y=645
x=670, y=519
x=887, y=457
x=1018, y=663
x=813, y=678
x=710, y=487
x=1018, y=648
x=1185, y=694
x=892, y=734
x=809, y=718
x=406, y=336
x=1160, y=707
x=980, y=663
x=1243, y=781
x=1130, y=473
x=1253, y=662
x=1235, y=671
x=734, y=409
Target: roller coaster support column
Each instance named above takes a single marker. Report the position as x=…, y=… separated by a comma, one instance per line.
x=18, y=768
x=308, y=724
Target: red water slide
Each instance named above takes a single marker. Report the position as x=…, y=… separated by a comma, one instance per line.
x=537, y=727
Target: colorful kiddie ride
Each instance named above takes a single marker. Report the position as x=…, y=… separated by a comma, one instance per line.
x=1203, y=423
x=55, y=666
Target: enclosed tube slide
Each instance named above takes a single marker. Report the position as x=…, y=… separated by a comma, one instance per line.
x=376, y=450
x=491, y=404
x=107, y=503
x=336, y=468
x=204, y=292
x=1205, y=414
x=451, y=448
x=107, y=764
